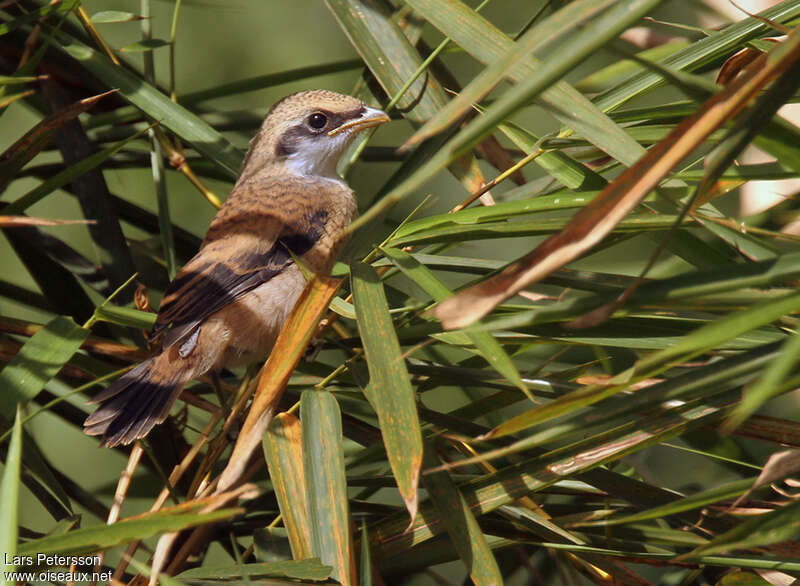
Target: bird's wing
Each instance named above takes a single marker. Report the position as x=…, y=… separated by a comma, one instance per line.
x=245, y=255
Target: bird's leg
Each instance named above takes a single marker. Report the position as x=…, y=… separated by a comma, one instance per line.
x=216, y=382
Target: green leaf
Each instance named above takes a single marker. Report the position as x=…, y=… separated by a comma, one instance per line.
x=156, y=105
x=328, y=508
x=9, y=500
x=461, y=525
x=546, y=32
x=770, y=383
x=37, y=14
x=304, y=569
x=491, y=350
x=16, y=79
x=66, y=176
x=702, y=499
x=365, y=565
x=39, y=360
x=568, y=171
x=782, y=524
x=620, y=70
x=486, y=230
x=389, y=390
x=113, y=16
x=482, y=40
x=144, y=45
x=561, y=200
x=701, y=340
x=102, y=537
x=590, y=37
x=125, y=316
x=700, y=53
x=509, y=484
x=393, y=60
x=15, y=157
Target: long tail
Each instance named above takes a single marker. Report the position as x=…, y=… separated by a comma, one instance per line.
x=132, y=405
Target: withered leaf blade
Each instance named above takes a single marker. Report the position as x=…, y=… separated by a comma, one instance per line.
x=778, y=466
x=287, y=352
x=283, y=449
x=19, y=221
x=594, y=222
x=28, y=146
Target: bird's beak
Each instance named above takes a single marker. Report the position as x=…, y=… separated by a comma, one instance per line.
x=371, y=117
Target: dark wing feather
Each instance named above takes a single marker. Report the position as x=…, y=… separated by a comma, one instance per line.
x=210, y=281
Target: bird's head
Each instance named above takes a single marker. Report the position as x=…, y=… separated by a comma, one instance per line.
x=306, y=133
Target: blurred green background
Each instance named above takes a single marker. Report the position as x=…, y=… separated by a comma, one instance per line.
x=221, y=42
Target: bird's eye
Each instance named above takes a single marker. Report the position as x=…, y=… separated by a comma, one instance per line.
x=317, y=121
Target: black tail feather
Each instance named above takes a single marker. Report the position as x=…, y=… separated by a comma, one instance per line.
x=131, y=406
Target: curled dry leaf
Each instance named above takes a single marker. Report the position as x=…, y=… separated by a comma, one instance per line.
x=778, y=467
x=737, y=63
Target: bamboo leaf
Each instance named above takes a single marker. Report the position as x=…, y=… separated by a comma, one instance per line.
x=507, y=485
x=461, y=525
x=389, y=390
x=782, y=524
x=66, y=176
x=486, y=43
x=702, y=499
x=37, y=14
x=489, y=348
x=23, y=150
x=686, y=348
x=145, y=45
x=593, y=222
x=365, y=566
x=700, y=53
x=768, y=384
x=39, y=360
x=602, y=27
x=292, y=341
x=328, y=509
x=114, y=16
x=156, y=105
x=305, y=569
x=283, y=448
x=102, y=537
x=9, y=500
x=394, y=61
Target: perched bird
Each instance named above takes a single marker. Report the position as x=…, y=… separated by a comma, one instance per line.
x=228, y=303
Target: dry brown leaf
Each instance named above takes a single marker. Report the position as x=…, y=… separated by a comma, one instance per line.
x=594, y=222
x=601, y=379
x=287, y=352
x=778, y=467
x=776, y=578
x=211, y=503
x=17, y=155
x=20, y=221
x=737, y=63
x=498, y=157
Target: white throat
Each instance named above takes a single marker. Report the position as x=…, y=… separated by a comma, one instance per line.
x=318, y=158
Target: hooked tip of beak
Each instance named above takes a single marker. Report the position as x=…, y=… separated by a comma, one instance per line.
x=370, y=118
